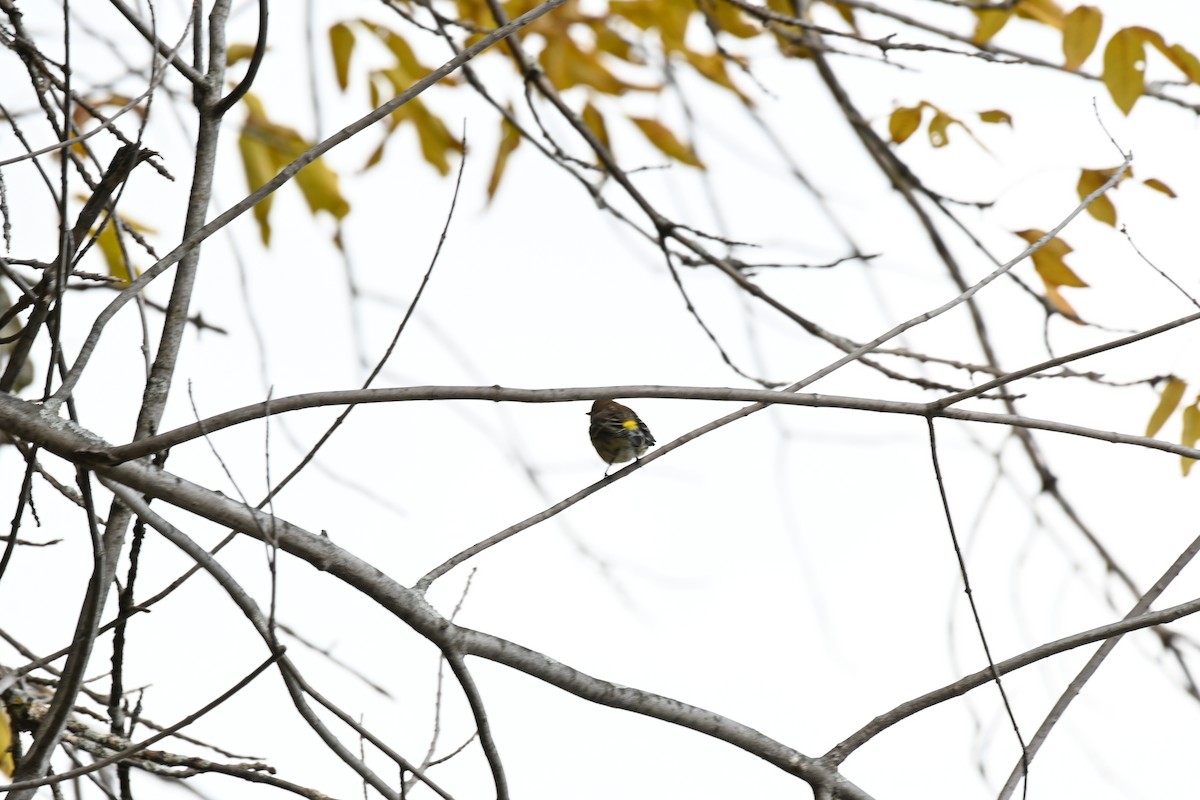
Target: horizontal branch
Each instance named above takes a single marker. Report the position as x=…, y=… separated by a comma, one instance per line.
x=30, y=421
x=1060, y=360
x=987, y=674
x=101, y=453
x=1149, y=90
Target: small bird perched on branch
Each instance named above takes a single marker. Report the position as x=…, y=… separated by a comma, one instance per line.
x=617, y=433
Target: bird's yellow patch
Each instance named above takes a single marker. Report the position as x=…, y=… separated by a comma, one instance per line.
x=631, y=424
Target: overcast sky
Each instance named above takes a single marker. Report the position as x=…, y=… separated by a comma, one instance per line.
x=792, y=571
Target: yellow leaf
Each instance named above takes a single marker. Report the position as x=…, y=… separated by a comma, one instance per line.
x=996, y=116
x=1054, y=272
x=266, y=148
x=6, y=741
x=661, y=137
x=731, y=20
x=554, y=60
x=114, y=256
x=672, y=18
x=1188, y=64
x=510, y=138
x=988, y=23
x=1092, y=179
x=319, y=185
x=82, y=114
x=1081, y=31
x=595, y=122
x=1176, y=54
x=713, y=67
x=1101, y=208
x=474, y=11
x=847, y=14
x=375, y=157
x=1155, y=183
x=938, y=136
x=1168, y=401
x=1046, y=12
x=435, y=138
x=1058, y=301
x=259, y=168
x=568, y=65
x=669, y=17
x=904, y=123
x=1124, y=68
x=238, y=52
x=406, y=60
x=638, y=12
x=1048, y=261
x=1191, y=432
x=341, y=45
x=613, y=43
x=374, y=90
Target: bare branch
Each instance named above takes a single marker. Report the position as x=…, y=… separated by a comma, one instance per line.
x=1089, y=669
x=986, y=675
x=285, y=175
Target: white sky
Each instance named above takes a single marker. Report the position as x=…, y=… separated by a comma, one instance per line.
x=792, y=571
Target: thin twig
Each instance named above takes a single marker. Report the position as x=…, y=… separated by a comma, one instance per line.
x=1089, y=669
x=962, y=570
x=283, y=176
x=134, y=749
x=486, y=740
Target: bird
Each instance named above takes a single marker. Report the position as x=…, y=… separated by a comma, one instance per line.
x=617, y=433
